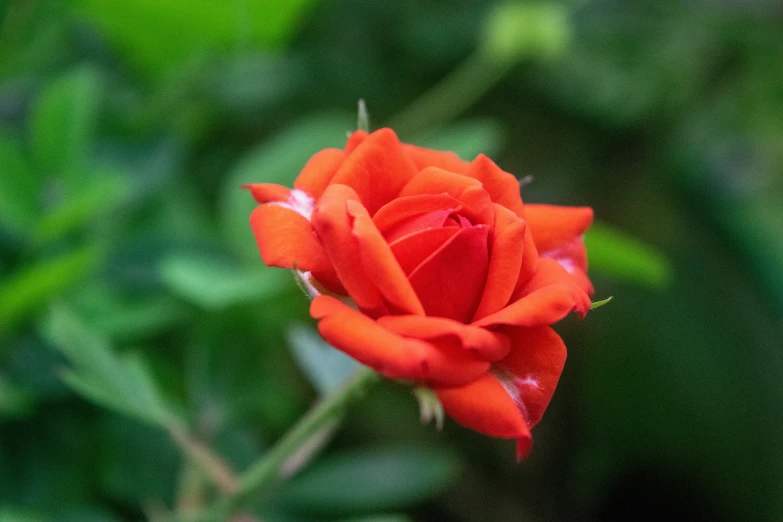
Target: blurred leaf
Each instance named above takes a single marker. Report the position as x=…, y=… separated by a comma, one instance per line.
x=212, y=284
x=616, y=254
x=11, y=514
x=20, y=187
x=468, y=139
x=85, y=206
x=515, y=29
x=64, y=120
x=33, y=286
x=120, y=317
x=138, y=463
x=367, y=480
x=380, y=518
x=279, y=160
x=121, y=383
x=326, y=366
x=14, y=401
x=156, y=37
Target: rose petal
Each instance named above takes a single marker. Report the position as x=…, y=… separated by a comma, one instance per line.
x=486, y=407
x=487, y=345
x=335, y=229
x=532, y=369
x=434, y=219
x=392, y=355
x=377, y=169
x=268, y=192
x=285, y=239
x=555, y=226
x=476, y=200
x=355, y=140
x=424, y=158
x=501, y=186
x=380, y=264
x=411, y=250
x=319, y=171
x=399, y=210
x=508, y=237
x=550, y=295
x=450, y=282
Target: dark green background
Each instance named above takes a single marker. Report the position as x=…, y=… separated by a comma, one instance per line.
x=127, y=127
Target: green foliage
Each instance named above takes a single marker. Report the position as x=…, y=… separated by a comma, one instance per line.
x=364, y=480
x=63, y=123
x=119, y=382
x=29, y=289
x=326, y=367
x=617, y=254
x=212, y=284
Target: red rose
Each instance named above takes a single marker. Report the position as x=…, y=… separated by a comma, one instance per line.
x=453, y=281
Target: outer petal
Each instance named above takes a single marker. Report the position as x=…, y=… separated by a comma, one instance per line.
x=286, y=239
x=319, y=171
x=268, y=192
x=508, y=237
x=432, y=180
x=532, y=369
x=379, y=263
x=554, y=226
x=392, y=355
x=335, y=228
x=550, y=273
x=548, y=297
x=450, y=282
x=485, y=406
x=377, y=169
x=424, y=158
x=502, y=187
x=399, y=210
x=355, y=140
x=487, y=345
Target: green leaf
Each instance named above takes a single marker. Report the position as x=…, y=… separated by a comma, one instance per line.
x=367, y=480
x=212, y=284
x=19, y=187
x=11, y=514
x=467, y=139
x=83, y=206
x=279, y=160
x=326, y=367
x=617, y=254
x=114, y=315
x=157, y=37
x=14, y=401
x=121, y=383
x=599, y=304
x=32, y=287
x=64, y=120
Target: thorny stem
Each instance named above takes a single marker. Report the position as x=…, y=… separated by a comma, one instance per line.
x=269, y=468
x=201, y=456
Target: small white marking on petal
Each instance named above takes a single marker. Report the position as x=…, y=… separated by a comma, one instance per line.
x=300, y=202
x=528, y=381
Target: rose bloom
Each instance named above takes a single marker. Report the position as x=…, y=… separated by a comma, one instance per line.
x=430, y=269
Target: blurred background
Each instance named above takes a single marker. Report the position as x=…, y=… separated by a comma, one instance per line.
x=133, y=300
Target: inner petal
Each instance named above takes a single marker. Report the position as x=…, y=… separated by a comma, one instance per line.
x=450, y=282
x=435, y=219
x=413, y=249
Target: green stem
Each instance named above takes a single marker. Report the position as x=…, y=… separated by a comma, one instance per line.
x=269, y=468
x=453, y=94
x=202, y=457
